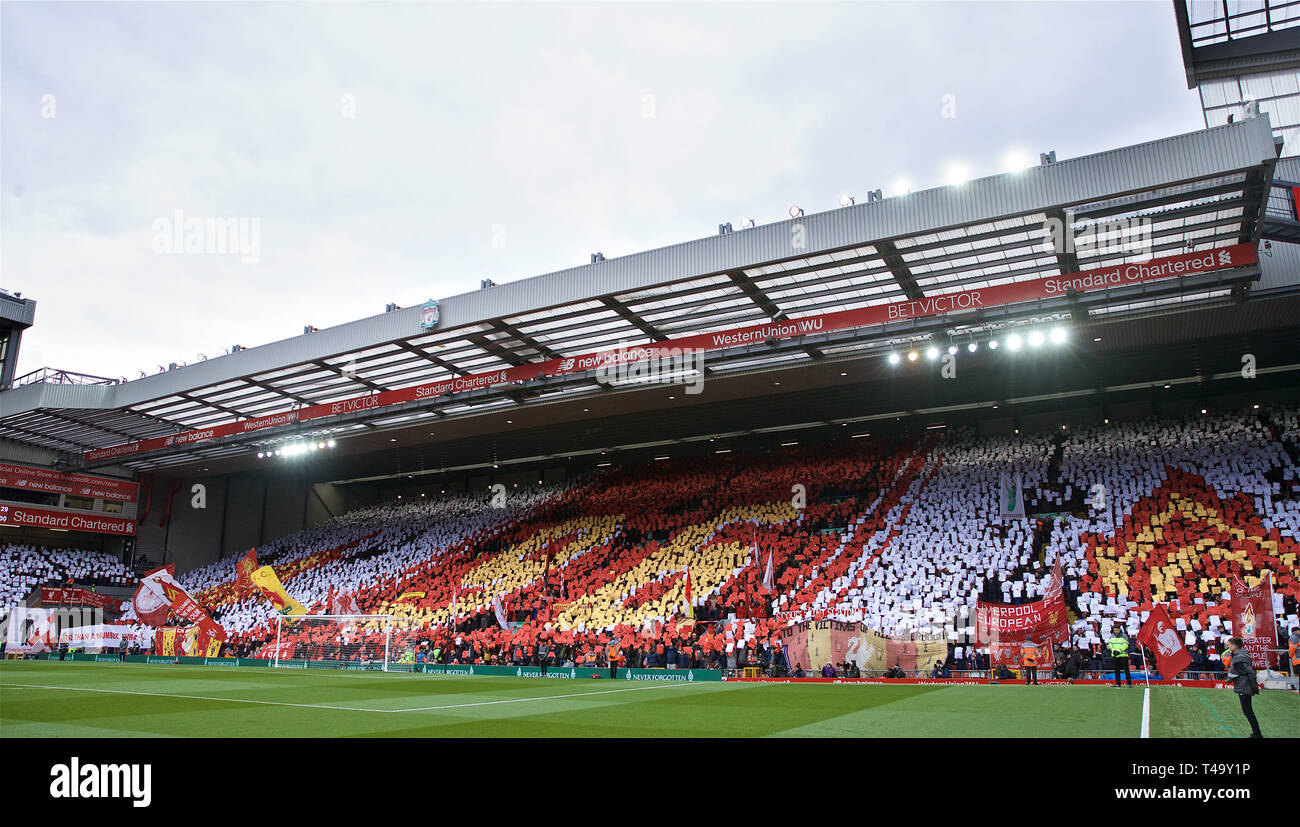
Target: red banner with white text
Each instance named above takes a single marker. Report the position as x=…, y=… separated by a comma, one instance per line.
x=1102, y=278
x=26, y=515
x=1041, y=620
x=1253, y=622
x=65, y=596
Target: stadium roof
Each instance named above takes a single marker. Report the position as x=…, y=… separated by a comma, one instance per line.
x=1198, y=191
x=1227, y=38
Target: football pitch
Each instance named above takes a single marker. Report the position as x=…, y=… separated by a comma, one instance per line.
x=40, y=699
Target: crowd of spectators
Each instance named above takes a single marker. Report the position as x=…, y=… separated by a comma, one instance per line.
x=24, y=568
x=905, y=537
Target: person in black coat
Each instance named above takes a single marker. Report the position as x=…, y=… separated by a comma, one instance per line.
x=1242, y=673
x=1069, y=668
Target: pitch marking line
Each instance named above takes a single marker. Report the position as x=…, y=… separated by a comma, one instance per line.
x=339, y=708
x=190, y=697
x=1146, y=713
x=664, y=685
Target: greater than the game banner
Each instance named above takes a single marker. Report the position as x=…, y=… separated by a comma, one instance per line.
x=1084, y=281
x=1253, y=620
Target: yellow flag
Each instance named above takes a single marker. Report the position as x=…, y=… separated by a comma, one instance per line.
x=165, y=641
x=269, y=585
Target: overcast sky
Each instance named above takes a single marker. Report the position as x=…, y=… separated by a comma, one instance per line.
x=400, y=152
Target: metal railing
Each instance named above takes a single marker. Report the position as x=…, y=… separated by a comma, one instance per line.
x=55, y=376
x=1281, y=200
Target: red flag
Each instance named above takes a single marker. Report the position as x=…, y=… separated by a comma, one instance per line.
x=1159, y=635
x=151, y=605
x=244, y=568
x=187, y=607
x=688, y=608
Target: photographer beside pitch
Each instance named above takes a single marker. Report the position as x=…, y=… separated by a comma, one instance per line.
x=1244, y=683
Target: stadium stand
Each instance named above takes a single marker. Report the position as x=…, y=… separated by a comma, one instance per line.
x=24, y=568
x=904, y=537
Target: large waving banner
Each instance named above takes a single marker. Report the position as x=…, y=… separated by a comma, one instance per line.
x=245, y=567
x=268, y=584
x=151, y=605
x=188, y=608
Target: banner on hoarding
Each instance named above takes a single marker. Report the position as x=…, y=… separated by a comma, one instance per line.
x=57, y=482
x=106, y=636
x=1102, y=278
x=26, y=515
x=814, y=643
x=64, y=596
x=1007, y=653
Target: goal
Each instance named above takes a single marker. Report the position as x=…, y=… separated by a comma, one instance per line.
x=334, y=641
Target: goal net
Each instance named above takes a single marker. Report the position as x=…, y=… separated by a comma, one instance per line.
x=338, y=641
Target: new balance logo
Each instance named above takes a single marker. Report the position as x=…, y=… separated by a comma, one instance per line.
x=77, y=780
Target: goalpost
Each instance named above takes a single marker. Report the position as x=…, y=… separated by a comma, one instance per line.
x=338, y=641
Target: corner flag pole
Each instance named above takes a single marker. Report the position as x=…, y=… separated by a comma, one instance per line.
x=1145, y=671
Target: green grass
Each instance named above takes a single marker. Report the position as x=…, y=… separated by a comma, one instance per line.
x=50, y=699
